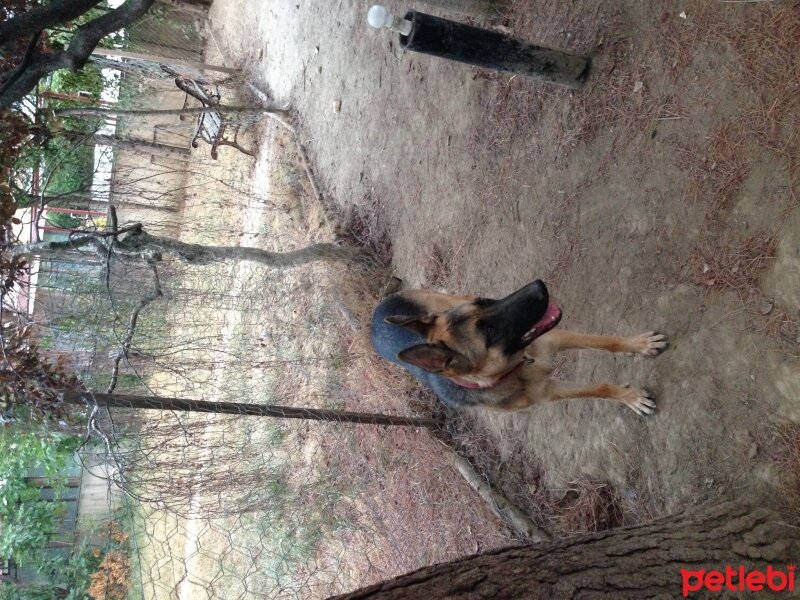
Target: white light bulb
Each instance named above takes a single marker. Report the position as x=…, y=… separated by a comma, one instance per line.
x=379, y=17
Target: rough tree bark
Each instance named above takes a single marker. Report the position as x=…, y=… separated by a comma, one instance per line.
x=134, y=242
x=642, y=561
x=15, y=84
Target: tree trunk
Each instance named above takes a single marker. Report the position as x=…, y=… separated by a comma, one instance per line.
x=642, y=561
x=39, y=18
x=238, y=408
x=139, y=243
x=144, y=147
x=160, y=112
x=197, y=254
x=83, y=201
x=141, y=146
x=21, y=80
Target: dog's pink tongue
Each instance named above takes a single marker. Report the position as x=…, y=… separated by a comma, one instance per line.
x=551, y=316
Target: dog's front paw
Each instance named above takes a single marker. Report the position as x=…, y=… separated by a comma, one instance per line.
x=640, y=401
x=651, y=343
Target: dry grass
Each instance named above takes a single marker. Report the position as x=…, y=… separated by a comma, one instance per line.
x=615, y=98
x=787, y=459
x=766, y=41
x=727, y=266
x=366, y=226
x=618, y=97
x=737, y=267
x=437, y=268
x=588, y=506
x=717, y=171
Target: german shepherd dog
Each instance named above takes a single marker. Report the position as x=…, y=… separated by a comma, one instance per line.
x=496, y=353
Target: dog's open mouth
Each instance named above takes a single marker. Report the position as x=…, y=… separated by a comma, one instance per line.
x=549, y=320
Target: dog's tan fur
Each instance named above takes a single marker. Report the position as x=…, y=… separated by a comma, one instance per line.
x=527, y=378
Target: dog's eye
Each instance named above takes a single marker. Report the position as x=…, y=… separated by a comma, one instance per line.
x=486, y=329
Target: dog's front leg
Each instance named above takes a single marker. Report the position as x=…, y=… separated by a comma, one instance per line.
x=639, y=400
x=650, y=343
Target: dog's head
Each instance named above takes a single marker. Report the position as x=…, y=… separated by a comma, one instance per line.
x=478, y=342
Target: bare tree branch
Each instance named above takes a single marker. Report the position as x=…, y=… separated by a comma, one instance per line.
x=44, y=17
x=78, y=242
x=125, y=342
x=80, y=48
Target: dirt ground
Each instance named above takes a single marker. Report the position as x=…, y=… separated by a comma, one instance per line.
x=663, y=195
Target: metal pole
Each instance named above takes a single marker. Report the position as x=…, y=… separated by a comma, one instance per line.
x=492, y=50
x=242, y=409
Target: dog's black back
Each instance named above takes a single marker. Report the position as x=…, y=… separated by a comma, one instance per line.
x=389, y=340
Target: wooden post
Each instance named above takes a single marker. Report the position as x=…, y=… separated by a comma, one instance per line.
x=492, y=50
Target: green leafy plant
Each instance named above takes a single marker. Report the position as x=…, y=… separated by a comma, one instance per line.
x=27, y=521
x=88, y=79
x=63, y=220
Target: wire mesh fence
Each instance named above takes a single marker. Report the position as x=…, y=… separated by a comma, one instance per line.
x=221, y=506
x=234, y=332
x=190, y=504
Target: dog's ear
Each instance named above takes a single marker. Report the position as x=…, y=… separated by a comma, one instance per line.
x=419, y=325
x=431, y=357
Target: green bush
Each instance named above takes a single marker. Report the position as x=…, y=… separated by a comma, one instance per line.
x=68, y=166
x=63, y=220
x=27, y=521
x=88, y=79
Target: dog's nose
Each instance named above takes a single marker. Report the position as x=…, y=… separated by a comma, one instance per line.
x=532, y=292
x=539, y=287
